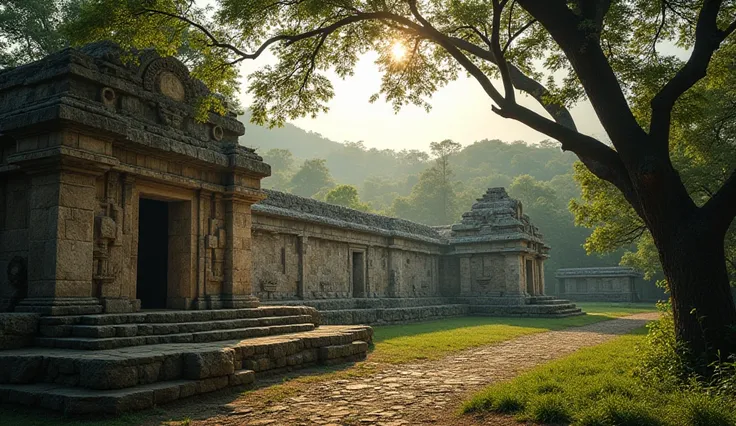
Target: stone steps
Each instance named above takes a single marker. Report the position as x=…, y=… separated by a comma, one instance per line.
x=392, y=315
x=97, y=343
x=134, y=378
x=177, y=316
x=151, y=329
x=538, y=311
x=550, y=301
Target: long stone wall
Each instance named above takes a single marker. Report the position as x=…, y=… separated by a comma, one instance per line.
x=604, y=284
x=304, y=249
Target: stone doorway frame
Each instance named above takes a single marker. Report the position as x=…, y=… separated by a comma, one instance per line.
x=530, y=276
x=181, y=285
x=361, y=255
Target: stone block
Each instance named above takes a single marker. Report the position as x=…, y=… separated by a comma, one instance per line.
x=104, y=374
x=133, y=401
x=167, y=394
x=212, y=384
x=19, y=324
x=242, y=377
x=149, y=373
x=200, y=365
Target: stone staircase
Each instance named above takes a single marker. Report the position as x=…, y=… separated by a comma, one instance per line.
x=537, y=306
x=99, y=332
x=381, y=311
x=123, y=362
x=384, y=310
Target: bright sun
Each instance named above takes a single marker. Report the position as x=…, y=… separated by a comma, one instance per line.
x=398, y=51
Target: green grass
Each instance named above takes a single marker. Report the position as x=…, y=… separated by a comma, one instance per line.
x=616, y=309
x=598, y=387
x=398, y=344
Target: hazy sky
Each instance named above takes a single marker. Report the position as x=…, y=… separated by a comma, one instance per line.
x=461, y=112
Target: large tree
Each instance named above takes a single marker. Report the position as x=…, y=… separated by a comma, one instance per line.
x=603, y=48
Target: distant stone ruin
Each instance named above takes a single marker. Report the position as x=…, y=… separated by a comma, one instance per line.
x=137, y=246
x=602, y=284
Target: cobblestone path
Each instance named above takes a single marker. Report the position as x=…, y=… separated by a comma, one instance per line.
x=419, y=393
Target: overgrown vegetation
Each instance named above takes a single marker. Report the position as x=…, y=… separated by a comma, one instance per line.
x=638, y=379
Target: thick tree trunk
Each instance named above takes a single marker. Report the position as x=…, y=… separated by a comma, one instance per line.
x=694, y=264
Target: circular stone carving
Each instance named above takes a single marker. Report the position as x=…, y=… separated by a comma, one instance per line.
x=217, y=133
x=171, y=86
x=108, y=96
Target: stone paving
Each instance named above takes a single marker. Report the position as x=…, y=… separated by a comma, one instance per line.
x=419, y=393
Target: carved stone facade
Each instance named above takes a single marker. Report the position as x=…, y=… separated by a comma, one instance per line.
x=88, y=142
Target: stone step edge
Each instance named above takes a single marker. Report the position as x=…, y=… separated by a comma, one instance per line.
x=95, y=344
x=409, y=308
x=159, y=329
x=160, y=363
x=79, y=401
x=170, y=316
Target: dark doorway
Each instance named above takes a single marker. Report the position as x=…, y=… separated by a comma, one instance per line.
x=530, y=277
x=358, y=274
x=153, y=253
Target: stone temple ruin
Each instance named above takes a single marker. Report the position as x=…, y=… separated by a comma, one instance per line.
x=141, y=262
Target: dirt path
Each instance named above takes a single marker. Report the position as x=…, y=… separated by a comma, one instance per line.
x=411, y=394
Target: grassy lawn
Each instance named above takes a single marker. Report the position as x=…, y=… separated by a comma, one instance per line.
x=615, y=309
x=396, y=344
x=598, y=386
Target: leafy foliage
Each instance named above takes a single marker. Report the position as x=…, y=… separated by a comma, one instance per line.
x=346, y=196
x=311, y=178
x=31, y=29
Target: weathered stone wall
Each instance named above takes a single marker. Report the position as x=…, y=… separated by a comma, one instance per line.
x=304, y=249
x=605, y=284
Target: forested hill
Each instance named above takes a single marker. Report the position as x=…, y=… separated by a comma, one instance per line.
x=433, y=186
x=301, y=143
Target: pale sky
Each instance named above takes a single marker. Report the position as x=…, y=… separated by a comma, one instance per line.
x=461, y=112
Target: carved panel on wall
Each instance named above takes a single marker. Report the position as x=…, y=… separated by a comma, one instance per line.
x=215, y=243
x=108, y=230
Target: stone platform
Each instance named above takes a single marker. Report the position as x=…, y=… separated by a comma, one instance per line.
x=123, y=362
x=403, y=310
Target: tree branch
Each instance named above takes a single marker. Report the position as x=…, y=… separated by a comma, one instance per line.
x=721, y=208
x=707, y=40
x=524, y=83
x=580, y=43
x=508, y=87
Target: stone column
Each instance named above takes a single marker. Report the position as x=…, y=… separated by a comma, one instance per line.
x=302, y=245
x=236, y=290
x=542, y=291
x=62, y=202
x=466, y=278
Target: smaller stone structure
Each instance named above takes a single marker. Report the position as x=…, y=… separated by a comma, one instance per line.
x=604, y=284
